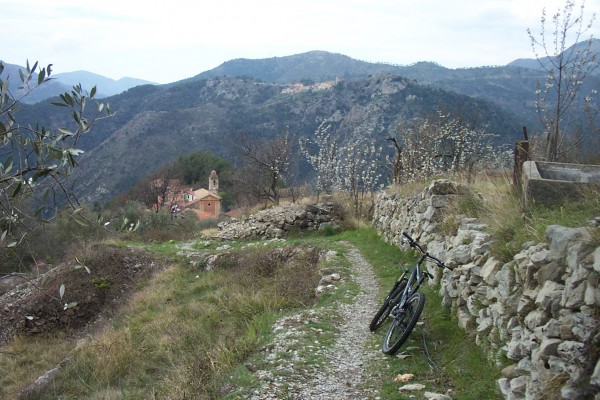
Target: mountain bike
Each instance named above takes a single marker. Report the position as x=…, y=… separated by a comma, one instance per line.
x=404, y=303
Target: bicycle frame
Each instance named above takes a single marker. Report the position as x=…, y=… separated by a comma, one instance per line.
x=413, y=283
x=416, y=277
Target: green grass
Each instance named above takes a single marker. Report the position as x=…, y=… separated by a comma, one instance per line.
x=570, y=213
x=387, y=260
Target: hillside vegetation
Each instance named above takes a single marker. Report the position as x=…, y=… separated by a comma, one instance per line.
x=154, y=125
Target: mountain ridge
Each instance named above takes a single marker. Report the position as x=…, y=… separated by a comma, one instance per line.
x=106, y=86
x=316, y=66
x=546, y=62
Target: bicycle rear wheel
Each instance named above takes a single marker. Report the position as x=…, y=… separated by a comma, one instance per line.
x=389, y=303
x=403, y=324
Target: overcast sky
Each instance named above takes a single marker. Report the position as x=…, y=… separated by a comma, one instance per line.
x=175, y=39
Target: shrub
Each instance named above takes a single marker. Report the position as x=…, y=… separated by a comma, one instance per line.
x=298, y=278
x=292, y=270
x=160, y=226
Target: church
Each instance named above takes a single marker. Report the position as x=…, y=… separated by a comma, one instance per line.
x=204, y=203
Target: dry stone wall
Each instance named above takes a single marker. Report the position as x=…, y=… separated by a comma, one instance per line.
x=276, y=222
x=541, y=310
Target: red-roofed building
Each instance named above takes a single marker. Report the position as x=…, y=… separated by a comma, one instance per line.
x=205, y=203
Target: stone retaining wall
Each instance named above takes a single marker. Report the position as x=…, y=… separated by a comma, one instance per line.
x=276, y=222
x=540, y=310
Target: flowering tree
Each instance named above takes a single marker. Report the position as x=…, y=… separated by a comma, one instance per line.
x=566, y=67
x=353, y=165
x=415, y=152
x=35, y=162
x=441, y=145
x=322, y=152
x=359, y=170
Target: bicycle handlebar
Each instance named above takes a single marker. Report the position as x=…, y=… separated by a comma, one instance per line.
x=414, y=244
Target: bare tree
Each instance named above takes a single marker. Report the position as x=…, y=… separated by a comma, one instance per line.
x=270, y=159
x=567, y=61
x=159, y=189
x=396, y=163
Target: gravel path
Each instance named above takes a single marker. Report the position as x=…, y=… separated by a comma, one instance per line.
x=339, y=372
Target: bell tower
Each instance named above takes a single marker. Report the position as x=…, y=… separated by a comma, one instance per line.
x=213, y=182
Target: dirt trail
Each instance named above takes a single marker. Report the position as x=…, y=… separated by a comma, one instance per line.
x=342, y=375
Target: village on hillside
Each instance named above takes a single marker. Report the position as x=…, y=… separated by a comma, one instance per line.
x=300, y=87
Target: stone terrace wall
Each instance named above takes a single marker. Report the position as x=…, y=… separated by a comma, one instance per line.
x=276, y=222
x=540, y=310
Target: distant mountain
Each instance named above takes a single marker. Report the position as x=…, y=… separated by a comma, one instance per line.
x=50, y=89
x=530, y=63
x=315, y=66
x=318, y=66
x=65, y=81
x=106, y=86
x=512, y=88
x=545, y=62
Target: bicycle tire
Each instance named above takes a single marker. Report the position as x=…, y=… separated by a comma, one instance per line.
x=403, y=325
x=390, y=301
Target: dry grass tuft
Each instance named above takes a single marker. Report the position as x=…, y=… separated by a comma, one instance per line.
x=552, y=388
x=27, y=358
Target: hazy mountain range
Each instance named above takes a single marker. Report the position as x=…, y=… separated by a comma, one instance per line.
x=63, y=82
x=311, y=66
x=155, y=124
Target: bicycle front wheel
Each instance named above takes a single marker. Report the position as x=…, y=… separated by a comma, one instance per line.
x=403, y=324
x=390, y=301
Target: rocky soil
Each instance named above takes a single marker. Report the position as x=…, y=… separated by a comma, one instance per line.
x=278, y=222
x=91, y=293
x=342, y=373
